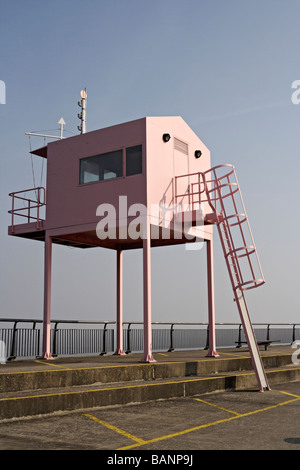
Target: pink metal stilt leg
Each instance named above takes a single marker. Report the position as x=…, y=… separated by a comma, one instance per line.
x=119, y=350
x=47, y=299
x=212, y=352
x=147, y=357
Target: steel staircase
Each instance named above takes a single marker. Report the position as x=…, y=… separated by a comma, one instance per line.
x=219, y=188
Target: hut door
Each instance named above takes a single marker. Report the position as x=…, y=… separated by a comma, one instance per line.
x=181, y=168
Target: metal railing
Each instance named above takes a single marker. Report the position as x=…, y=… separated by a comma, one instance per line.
x=30, y=203
x=98, y=338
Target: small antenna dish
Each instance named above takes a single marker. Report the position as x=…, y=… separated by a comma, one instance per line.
x=83, y=94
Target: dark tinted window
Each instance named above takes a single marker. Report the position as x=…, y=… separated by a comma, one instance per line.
x=134, y=160
x=101, y=167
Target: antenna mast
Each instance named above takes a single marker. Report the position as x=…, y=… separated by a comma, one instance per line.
x=82, y=114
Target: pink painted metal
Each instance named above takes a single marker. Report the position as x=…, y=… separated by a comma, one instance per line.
x=223, y=194
x=212, y=351
x=171, y=179
x=147, y=357
x=47, y=299
x=227, y=210
x=31, y=204
x=119, y=351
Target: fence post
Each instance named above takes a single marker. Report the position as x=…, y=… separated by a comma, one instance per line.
x=294, y=333
x=128, y=350
x=38, y=339
x=13, y=342
x=103, y=352
x=268, y=332
x=171, y=348
x=207, y=338
x=239, y=341
x=54, y=344
x=12, y=214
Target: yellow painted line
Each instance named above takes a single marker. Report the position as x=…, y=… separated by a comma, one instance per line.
x=110, y=388
x=135, y=386
x=162, y=354
x=123, y=365
x=89, y=368
x=118, y=430
x=48, y=363
x=290, y=394
x=129, y=365
x=217, y=406
x=232, y=355
x=203, y=426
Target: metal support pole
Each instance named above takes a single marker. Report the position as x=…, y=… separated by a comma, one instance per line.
x=103, y=352
x=294, y=333
x=119, y=350
x=47, y=298
x=239, y=345
x=12, y=355
x=207, y=338
x=54, y=346
x=212, y=352
x=147, y=357
x=128, y=350
x=268, y=332
x=171, y=348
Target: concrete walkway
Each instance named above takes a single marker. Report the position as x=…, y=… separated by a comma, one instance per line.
x=39, y=386
x=183, y=401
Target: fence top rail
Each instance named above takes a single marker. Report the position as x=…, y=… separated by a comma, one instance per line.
x=111, y=322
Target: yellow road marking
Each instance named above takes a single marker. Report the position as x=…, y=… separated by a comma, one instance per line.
x=126, y=365
x=118, y=430
x=129, y=386
x=110, y=388
x=290, y=394
x=48, y=363
x=238, y=356
x=162, y=354
x=203, y=426
x=217, y=406
x=113, y=366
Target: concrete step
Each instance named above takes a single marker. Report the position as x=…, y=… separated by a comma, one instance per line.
x=72, y=374
x=79, y=387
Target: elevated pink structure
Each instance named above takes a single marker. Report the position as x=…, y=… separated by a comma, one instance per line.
x=141, y=184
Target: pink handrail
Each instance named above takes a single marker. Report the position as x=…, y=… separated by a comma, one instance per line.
x=32, y=204
x=216, y=189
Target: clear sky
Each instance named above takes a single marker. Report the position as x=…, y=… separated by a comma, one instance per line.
x=227, y=68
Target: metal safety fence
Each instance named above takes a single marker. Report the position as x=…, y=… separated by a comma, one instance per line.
x=22, y=338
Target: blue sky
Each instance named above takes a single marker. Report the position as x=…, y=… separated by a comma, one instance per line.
x=226, y=68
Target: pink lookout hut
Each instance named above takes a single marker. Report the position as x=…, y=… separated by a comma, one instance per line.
x=141, y=184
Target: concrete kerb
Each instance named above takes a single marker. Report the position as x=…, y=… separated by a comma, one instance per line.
x=70, y=373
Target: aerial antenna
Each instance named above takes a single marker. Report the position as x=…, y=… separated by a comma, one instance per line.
x=82, y=114
x=61, y=122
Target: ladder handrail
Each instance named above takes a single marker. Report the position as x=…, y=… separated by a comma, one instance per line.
x=209, y=187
